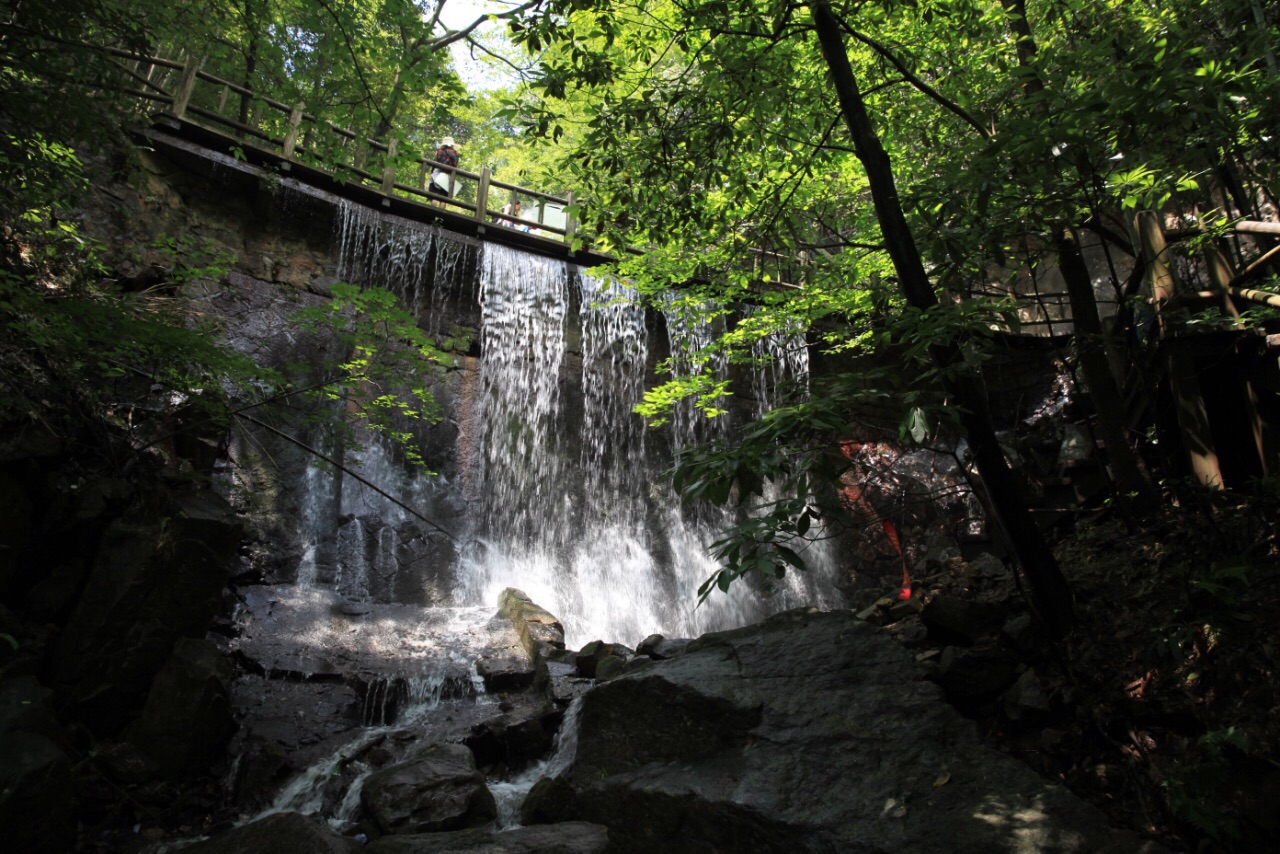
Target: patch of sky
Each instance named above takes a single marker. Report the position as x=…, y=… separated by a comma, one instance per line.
x=478, y=70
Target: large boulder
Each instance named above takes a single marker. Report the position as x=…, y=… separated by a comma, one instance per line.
x=658, y=647
x=952, y=619
x=575, y=837
x=540, y=631
x=809, y=732
x=440, y=789
x=280, y=833
x=514, y=740
x=37, y=802
x=522, y=663
x=158, y=577
x=187, y=720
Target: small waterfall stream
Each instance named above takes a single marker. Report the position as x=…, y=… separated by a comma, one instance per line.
x=510, y=794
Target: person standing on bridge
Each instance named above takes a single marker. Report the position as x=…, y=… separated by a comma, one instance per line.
x=511, y=209
x=442, y=180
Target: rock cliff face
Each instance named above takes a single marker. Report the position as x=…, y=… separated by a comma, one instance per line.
x=803, y=734
x=809, y=732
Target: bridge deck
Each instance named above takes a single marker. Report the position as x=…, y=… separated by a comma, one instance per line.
x=169, y=133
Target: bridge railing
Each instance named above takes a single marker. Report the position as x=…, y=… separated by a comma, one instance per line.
x=392, y=166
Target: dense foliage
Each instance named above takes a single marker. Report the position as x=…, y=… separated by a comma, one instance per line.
x=97, y=347
x=1017, y=132
x=894, y=180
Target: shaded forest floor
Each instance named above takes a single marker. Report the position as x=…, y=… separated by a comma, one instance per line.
x=1161, y=707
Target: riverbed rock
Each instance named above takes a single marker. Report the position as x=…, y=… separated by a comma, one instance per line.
x=440, y=789
x=187, y=720
x=280, y=833
x=660, y=648
x=540, y=631
x=808, y=732
x=509, y=670
x=577, y=837
x=590, y=656
x=609, y=667
x=974, y=675
x=1026, y=698
x=514, y=739
x=549, y=800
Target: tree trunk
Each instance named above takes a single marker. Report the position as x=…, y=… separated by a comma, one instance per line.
x=1136, y=494
x=392, y=107
x=1051, y=596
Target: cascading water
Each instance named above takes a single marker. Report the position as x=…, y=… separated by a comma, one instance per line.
x=782, y=368
x=782, y=374
x=306, y=792
x=509, y=795
x=563, y=491
x=319, y=498
x=689, y=338
x=548, y=481
x=513, y=476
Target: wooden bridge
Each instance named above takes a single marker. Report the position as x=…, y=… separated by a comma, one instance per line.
x=195, y=106
x=286, y=138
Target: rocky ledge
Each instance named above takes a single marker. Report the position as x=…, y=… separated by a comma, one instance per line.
x=808, y=732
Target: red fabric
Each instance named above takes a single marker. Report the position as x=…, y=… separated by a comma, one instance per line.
x=890, y=531
x=447, y=156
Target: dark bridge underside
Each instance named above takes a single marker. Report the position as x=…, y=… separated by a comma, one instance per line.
x=191, y=144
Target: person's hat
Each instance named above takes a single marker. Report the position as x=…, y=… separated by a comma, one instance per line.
x=448, y=140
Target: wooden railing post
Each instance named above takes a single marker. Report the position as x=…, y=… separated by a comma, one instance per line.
x=186, y=84
x=570, y=224
x=1220, y=276
x=389, y=171
x=1193, y=418
x=291, y=138
x=482, y=198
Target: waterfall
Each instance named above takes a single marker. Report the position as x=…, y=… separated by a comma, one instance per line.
x=319, y=494
x=548, y=481
x=782, y=374
x=782, y=367
x=514, y=479
x=689, y=338
x=352, y=579
x=556, y=486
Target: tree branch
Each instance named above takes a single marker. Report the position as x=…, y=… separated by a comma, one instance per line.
x=915, y=81
x=355, y=59
x=457, y=35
